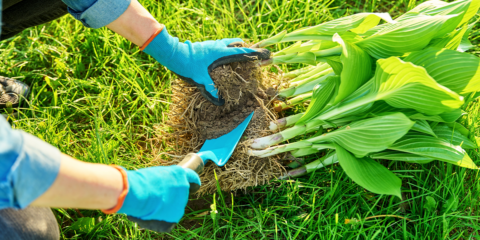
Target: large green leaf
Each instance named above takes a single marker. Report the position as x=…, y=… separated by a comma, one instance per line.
x=447, y=117
x=317, y=45
x=435, y=148
x=465, y=44
x=399, y=38
x=360, y=93
x=453, y=136
x=451, y=41
x=459, y=128
x=401, y=156
x=423, y=127
x=424, y=7
x=358, y=23
x=357, y=68
x=369, y=135
x=322, y=93
x=369, y=174
x=462, y=8
x=401, y=85
x=460, y=72
x=404, y=85
x=465, y=10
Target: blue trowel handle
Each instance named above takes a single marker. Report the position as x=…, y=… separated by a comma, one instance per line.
x=194, y=162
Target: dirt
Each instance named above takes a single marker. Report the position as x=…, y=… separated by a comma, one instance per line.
x=238, y=84
x=192, y=120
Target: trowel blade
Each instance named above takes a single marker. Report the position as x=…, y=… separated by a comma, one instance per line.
x=219, y=150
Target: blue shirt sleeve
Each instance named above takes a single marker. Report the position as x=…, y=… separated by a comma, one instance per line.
x=96, y=13
x=28, y=167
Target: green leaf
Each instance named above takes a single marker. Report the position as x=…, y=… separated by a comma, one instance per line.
x=358, y=23
x=460, y=72
x=322, y=93
x=430, y=204
x=336, y=66
x=466, y=9
x=433, y=8
x=369, y=174
x=465, y=44
x=451, y=41
x=404, y=85
x=459, y=128
x=435, y=148
x=368, y=135
x=357, y=68
x=423, y=127
x=453, y=136
x=399, y=38
x=447, y=117
x=401, y=156
x=424, y=7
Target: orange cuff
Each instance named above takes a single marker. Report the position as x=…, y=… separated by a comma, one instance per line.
x=122, y=196
x=152, y=37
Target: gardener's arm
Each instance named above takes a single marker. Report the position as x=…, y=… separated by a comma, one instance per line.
x=33, y=172
x=190, y=61
x=83, y=185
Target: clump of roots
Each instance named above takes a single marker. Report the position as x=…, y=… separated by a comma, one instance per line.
x=192, y=120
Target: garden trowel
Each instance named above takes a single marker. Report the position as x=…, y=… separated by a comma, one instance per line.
x=217, y=150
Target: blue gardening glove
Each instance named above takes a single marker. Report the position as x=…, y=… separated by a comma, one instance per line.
x=193, y=61
x=157, y=196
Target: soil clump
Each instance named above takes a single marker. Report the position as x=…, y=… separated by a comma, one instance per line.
x=192, y=119
x=238, y=85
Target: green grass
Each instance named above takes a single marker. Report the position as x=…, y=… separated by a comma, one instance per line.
x=99, y=99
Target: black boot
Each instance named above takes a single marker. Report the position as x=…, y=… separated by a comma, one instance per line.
x=12, y=92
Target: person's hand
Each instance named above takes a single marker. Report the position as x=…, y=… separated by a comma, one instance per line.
x=157, y=196
x=193, y=61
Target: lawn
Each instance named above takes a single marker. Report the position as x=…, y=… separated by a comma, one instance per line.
x=96, y=97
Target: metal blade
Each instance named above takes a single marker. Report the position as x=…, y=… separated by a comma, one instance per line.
x=220, y=149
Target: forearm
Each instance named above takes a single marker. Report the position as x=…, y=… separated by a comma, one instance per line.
x=136, y=24
x=83, y=185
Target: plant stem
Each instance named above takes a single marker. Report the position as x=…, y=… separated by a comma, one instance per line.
x=298, y=72
x=280, y=106
x=335, y=51
x=285, y=122
x=312, y=125
x=320, y=163
x=306, y=86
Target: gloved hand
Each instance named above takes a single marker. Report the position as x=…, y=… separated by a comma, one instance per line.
x=193, y=61
x=157, y=196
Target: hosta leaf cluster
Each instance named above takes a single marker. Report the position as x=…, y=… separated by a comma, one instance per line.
x=379, y=88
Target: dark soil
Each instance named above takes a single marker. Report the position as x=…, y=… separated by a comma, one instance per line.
x=238, y=84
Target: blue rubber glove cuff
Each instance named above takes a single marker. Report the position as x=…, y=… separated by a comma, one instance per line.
x=193, y=61
x=158, y=193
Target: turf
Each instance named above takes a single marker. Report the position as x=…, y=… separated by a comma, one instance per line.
x=98, y=98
